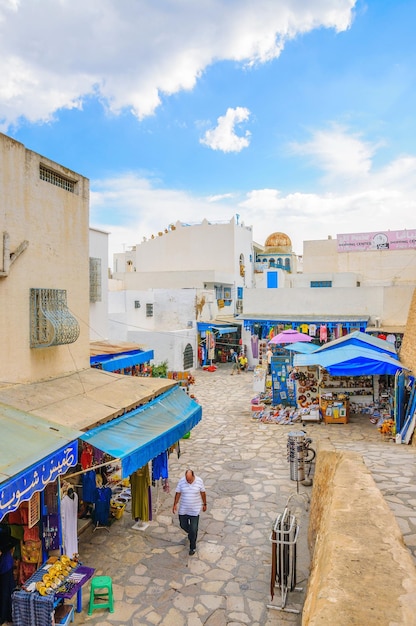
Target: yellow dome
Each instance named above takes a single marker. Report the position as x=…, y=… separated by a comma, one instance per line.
x=278, y=241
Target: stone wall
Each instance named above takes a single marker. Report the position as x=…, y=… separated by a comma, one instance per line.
x=361, y=571
x=408, y=349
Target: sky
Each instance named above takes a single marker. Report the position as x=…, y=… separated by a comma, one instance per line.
x=297, y=116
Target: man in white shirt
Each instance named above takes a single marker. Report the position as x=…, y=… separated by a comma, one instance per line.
x=190, y=493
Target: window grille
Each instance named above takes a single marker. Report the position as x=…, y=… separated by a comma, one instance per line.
x=321, y=283
x=137, y=304
x=95, y=280
x=51, y=323
x=149, y=310
x=56, y=179
x=188, y=357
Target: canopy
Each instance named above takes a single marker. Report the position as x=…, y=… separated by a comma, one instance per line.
x=361, y=339
x=351, y=361
x=221, y=329
x=302, y=347
x=290, y=336
x=115, y=362
x=142, y=434
x=33, y=453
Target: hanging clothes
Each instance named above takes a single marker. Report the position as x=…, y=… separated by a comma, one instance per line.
x=69, y=517
x=323, y=333
x=312, y=330
x=255, y=346
x=140, y=483
x=88, y=486
x=160, y=466
x=102, y=501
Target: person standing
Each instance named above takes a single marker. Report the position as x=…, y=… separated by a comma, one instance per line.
x=190, y=493
x=235, y=362
x=7, y=583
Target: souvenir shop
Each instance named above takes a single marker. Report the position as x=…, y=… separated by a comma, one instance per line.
x=92, y=476
x=121, y=358
x=257, y=332
x=215, y=342
x=355, y=374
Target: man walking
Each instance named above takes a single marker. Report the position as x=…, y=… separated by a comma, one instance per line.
x=190, y=493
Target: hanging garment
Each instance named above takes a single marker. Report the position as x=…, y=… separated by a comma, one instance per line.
x=69, y=517
x=102, y=505
x=255, y=346
x=140, y=483
x=160, y=466
x=391, y=338
x=323, y=333
x=312, y=330
x=86, y=456
x=88, y=486
x=304, y=328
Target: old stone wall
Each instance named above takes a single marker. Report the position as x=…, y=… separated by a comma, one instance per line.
x=361, y=571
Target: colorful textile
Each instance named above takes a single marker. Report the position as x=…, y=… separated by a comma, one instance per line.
x=31, y=608
x=140, y=483
x=160, y=466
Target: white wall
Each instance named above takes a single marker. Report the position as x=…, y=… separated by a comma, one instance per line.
x=167, y=345
x=98, y=242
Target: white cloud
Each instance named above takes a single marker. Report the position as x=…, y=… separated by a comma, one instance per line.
x=338, y=153
x=54, y=53
x=223, y=137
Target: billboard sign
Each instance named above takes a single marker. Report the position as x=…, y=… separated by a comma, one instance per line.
x=378, y=240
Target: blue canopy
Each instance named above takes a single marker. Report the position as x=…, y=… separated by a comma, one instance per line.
x=351, y=361
x=121, y=360
x=34, y=452
x=364, y=340
x=302, y=346
x=142, y=434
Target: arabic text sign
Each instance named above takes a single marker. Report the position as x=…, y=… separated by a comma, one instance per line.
x=378, y=240
x=21, y=488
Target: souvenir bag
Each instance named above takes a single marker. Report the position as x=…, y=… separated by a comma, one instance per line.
x=31, y=551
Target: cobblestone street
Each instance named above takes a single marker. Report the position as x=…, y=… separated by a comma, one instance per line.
x=246, y=473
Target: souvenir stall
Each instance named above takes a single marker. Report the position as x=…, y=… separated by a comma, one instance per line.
x=349, y=378
x=29, y=502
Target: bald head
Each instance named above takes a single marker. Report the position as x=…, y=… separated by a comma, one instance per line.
x=190, y=476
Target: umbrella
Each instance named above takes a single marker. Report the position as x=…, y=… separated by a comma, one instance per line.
x=290, y=336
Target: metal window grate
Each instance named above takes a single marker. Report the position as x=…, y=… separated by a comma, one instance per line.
x=95, y=280
x=149, y=310
x=51, y=323
x=188, y=357
x=56, y=179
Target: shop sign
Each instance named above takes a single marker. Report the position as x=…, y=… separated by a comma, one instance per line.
x=378, y=240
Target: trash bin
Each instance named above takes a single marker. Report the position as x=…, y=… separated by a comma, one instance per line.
x=296, y=455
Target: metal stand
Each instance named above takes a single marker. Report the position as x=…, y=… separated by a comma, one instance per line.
x=283, y=538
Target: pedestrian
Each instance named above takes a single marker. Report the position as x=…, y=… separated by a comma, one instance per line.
x=190, y=493
x=243, y=361
x=7, y=583
x=235, y=362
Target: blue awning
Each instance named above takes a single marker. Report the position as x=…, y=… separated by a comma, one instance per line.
x=34, y=452
x=142, y=434
x=121, y=360
x=219, y=328
x=351, y=361
x=301, y=346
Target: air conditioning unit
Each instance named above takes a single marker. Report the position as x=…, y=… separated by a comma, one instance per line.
x=239, y=306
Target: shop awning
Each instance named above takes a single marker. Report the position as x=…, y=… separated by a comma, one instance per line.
x=142, y=434
x=360, y=339
x=302, y=347
x=351, y=361
x=33, y=453
x=222, y=329
x=115, y=362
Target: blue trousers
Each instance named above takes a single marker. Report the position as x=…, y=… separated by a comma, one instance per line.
x=189, y=523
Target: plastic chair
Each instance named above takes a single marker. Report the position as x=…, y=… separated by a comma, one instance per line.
x=100, y=583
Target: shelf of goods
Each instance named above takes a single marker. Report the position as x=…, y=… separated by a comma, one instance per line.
x=335, y=408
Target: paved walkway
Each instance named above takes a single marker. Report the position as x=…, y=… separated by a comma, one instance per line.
x=244, y=466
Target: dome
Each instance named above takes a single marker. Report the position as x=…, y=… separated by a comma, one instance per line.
x=279, y=242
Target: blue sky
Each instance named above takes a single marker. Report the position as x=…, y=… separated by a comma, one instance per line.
x=297, y=115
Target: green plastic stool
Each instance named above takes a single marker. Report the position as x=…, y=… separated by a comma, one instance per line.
x=101, y=583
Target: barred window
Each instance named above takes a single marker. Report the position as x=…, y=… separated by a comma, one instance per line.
x=149, y=310
x=56, y=179
x=51, y=323
x=188, y=357
x=95, y=280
